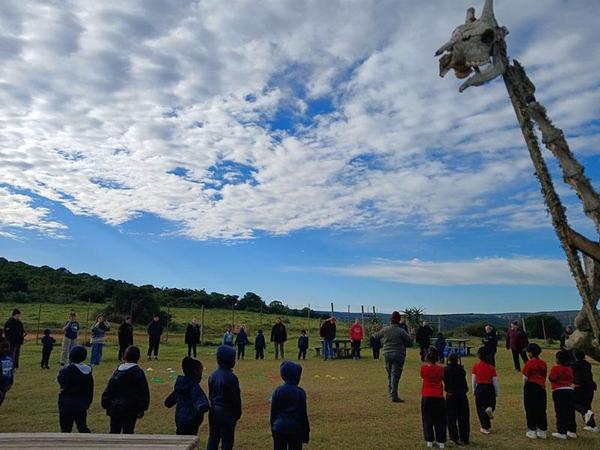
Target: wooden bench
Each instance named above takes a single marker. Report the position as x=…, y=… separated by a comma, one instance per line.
x=37, y=441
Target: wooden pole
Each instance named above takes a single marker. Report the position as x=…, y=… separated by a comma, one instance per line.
x=37, y=334
x=362, y=315
x=87, y=322
x=439, y=324
x=523, y=323
x=308, y=325
x=232, y=318
x=374, y=313
x=348, y=316
x=202, y=325
x=261, y=317
x=168, y=321
x=332, y=308
x=544, y=330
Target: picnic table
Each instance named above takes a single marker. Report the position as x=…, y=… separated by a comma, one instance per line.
x=341, y=348
x=458, y=346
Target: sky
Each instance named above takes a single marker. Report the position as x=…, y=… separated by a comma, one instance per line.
x=304, y=150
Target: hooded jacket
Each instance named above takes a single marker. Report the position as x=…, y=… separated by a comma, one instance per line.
x=356, y=332
x=490, y=342
x=99, y=332
x=241, y=338
x=192, y=334
x=190, y=399
x=125, y=334
x=76, y=388
x=155, y=329
x=278, y=333
x=328, y=330
x=224, y=386
x=395, y=339
x=455, y=379
x=6, y=373
x=289, y=414
x=127, y=392
x=582, y=376
x=71, y=329
x=259, y=341
x=423, y=336
x=13, y=330
x=440, y=344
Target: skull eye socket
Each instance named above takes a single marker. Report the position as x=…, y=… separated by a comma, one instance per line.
x=488, y=36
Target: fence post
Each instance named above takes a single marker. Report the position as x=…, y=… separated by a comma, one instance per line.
x=202, y=325
x=544, y=330
x=362, y=315
x=308, y=325
x=87, y=322
x=37, y=333
x=332, y=308
x=168, y=321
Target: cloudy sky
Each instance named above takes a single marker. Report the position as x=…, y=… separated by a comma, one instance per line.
x=304, y=150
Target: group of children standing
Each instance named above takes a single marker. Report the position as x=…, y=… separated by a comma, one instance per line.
x=571, y=381
x=241, y=340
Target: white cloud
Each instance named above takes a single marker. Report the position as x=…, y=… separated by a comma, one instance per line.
x=102, y=102
x=484, y=271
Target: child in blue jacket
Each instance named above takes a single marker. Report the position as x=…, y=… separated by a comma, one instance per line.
x=259, y=345
x=6, y=369
x=76, y=391
x=189, y=397
x=225, y=401
x=289, y=416
x=302, y=345
x=47, y=346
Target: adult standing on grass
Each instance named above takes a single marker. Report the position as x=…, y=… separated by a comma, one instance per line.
x=517, y=342
x=356, y=333
x=395, y=341
x=278, y=337
x=192, y=336
x=327, y=332
x=423, y=338
x=98, y=330
x=71, y=331
x=155, y=331
x=125, y=336
x=490, y=342
x=15, y=335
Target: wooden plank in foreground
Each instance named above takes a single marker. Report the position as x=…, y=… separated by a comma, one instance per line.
x=97, y=441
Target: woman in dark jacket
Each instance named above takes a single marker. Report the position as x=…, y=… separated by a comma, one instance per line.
x=192, y=336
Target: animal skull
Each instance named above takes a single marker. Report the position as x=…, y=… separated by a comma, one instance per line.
x=475, y=48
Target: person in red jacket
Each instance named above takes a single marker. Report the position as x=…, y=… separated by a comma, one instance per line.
x=517, y=342
x=433, y=409
x=534, y=393
x=356, y=335
x=561, y=379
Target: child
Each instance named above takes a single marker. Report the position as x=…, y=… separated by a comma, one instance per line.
x=302, y=345
x=260, y=345
x=289, y=416
x=375, y=344
x=189, y=397
x=561, y=379
x=228, y=337
x=225, y=401
x=440, y=346
x=47, y=346
x=126, y=396
x=534, y=393
x=433, y=411
x=457, y=403
x=6, y=369
x=240, y=341
x=76, y=392
x=485, y=387
x=584, y=390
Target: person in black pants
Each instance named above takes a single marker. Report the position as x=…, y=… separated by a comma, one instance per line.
x=561, y=379
x=192, y=336
x=76, y=392
x=47, y=346
x=375, y=346
x=433, y=411
x=15, y=335
x=485, y=388
x=457, y=403
x=126, y=396
x=155, y=331
x=583, y=394
x=423, y=338
x=517, y=342
x=490, y=342
x=259, y=345
x=125, y=336
x=241, y=340
x=534, y=393
x=302, y=345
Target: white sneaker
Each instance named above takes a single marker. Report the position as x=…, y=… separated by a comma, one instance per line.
x=571, y=434
x=441, y=445
x=588, y=415
x=531, y=434
x=592, y=429
x=430, y=445
x=541, y=434
x=484, y=431
x=490, y=412
x=559, y=435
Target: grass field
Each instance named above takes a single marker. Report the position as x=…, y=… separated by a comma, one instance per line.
x=348, y=403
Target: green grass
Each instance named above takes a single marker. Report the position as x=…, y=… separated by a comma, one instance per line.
x=347, y=400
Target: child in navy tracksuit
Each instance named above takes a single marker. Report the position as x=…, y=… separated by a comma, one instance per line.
x=126, y=396
x=47, y=346
x=583, y=393
x=76, y=392
x=302, y=345
x=225, y=401
x=457, y=403
x=375, y=346
x=6, y=369
x=561, y=379
x=440, y=346
x=289, y=416
x=259, y=345
x=240, y=341
x=189, y=397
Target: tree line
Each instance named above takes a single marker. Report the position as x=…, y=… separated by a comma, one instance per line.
x=24, y=283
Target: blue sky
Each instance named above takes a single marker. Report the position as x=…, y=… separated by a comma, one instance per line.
x=307, y=152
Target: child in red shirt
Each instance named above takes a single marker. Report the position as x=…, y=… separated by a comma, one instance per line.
x=561, y=378
x=485, y=388
x=433, y=411
x=534, y=393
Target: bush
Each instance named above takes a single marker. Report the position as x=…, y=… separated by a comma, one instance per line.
x=535, y=329
x=476, y=329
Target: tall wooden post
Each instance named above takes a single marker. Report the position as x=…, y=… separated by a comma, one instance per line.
x=37, y=334
x=362, y=315
x=168, y=321
x=544, y=330
x=348, y=316
x=202, y=325
x=332, y=308
x=87, y=322
x=308, y=324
